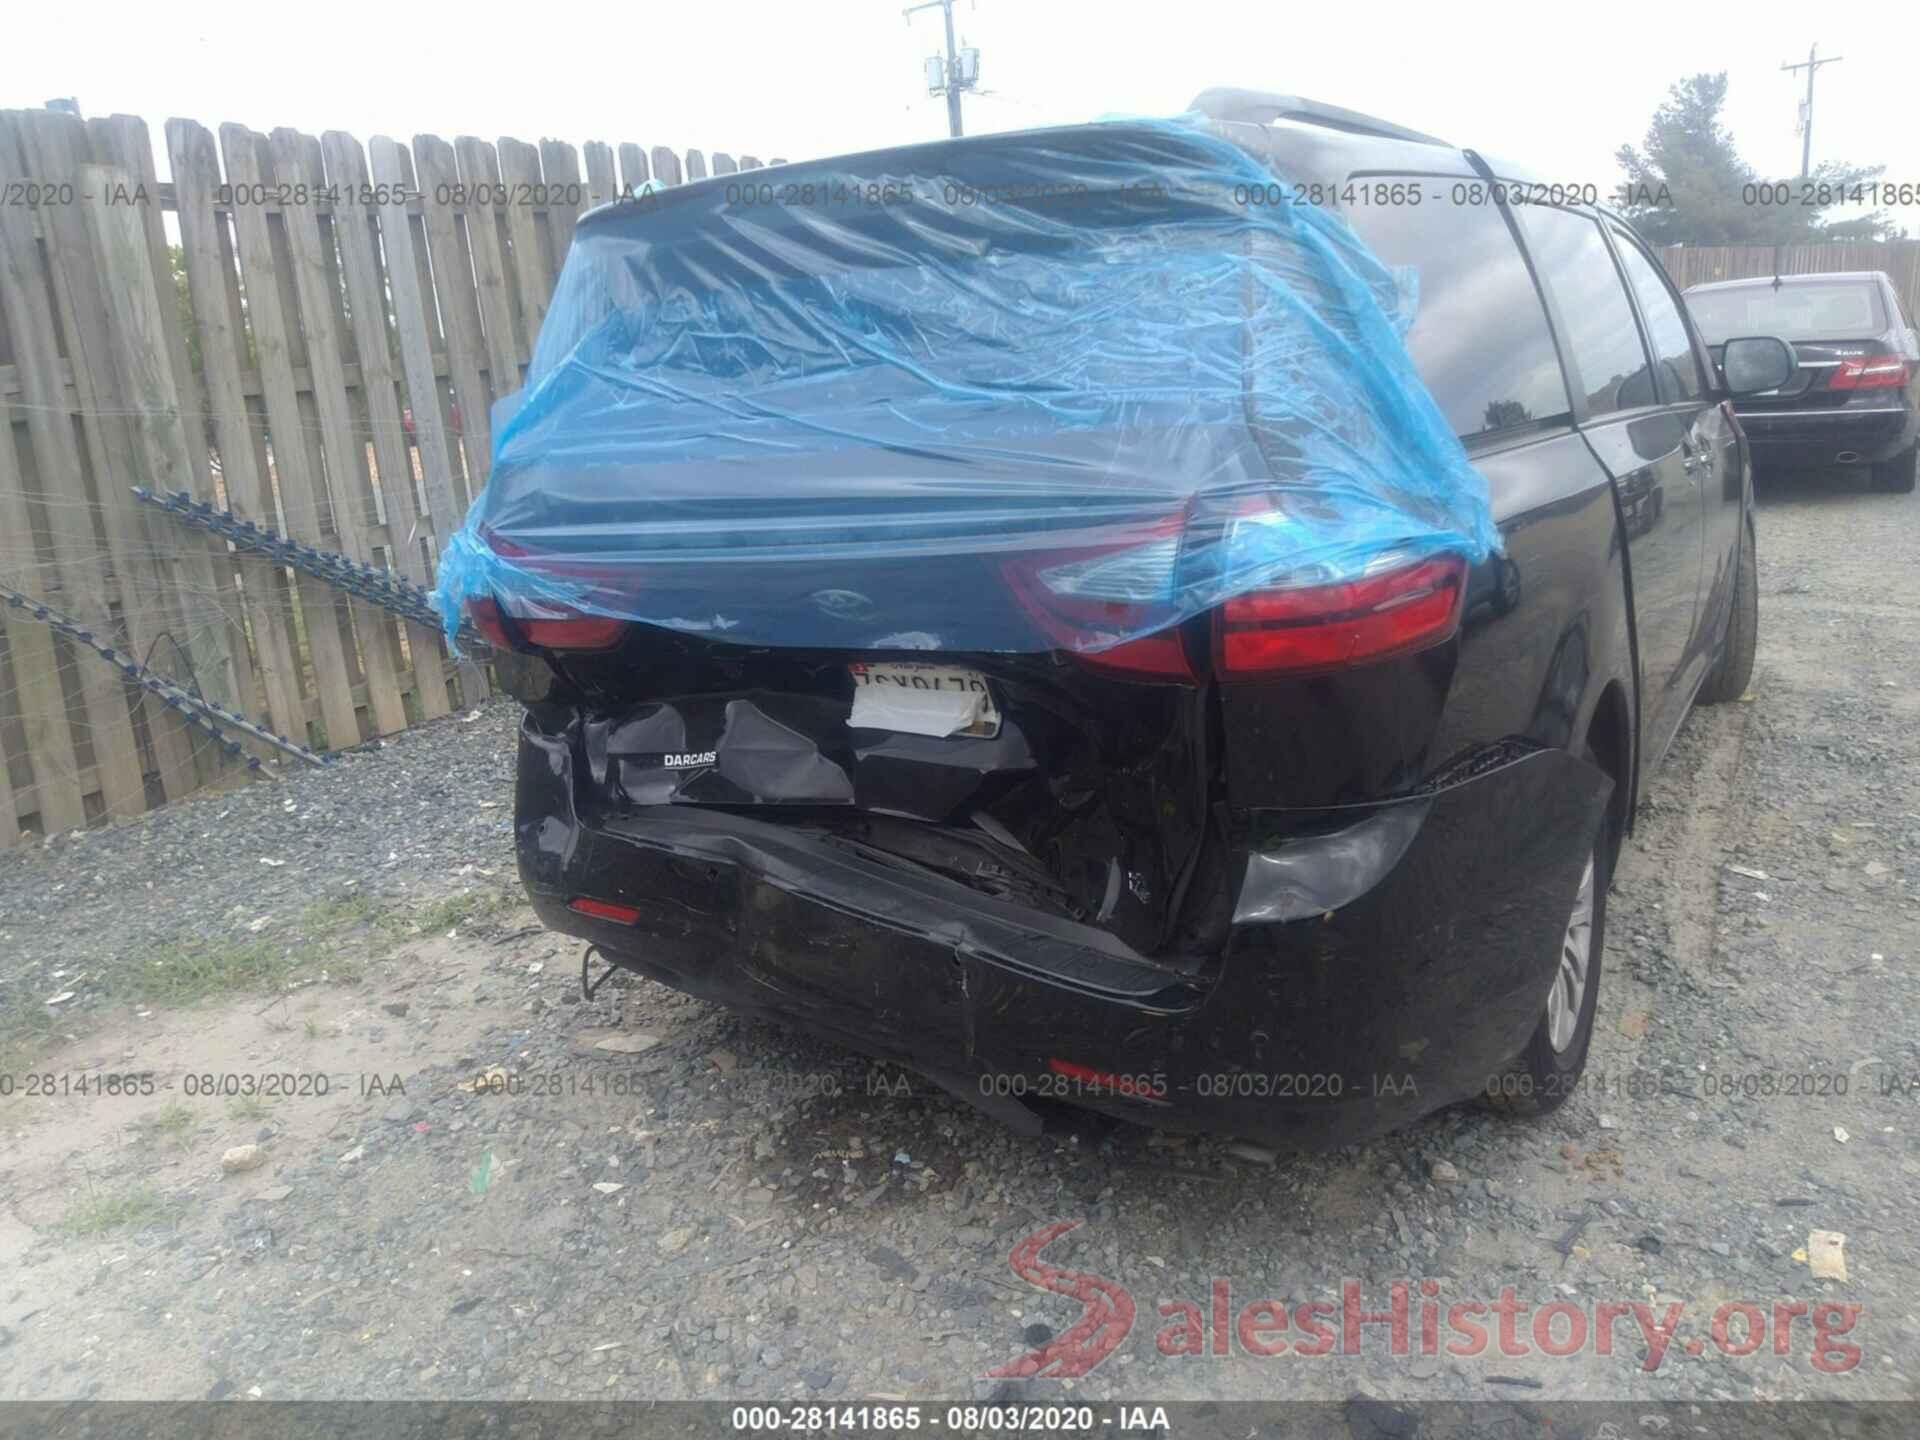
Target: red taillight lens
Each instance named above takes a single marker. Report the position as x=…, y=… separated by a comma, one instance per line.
x=1327, y=627
x=1083, y=598
x=571, y=632
x=604, y=910
x=544, y=624
x=485, y=614
x=1877, y=372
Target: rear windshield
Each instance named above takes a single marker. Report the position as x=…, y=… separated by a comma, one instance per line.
x=1847, y=310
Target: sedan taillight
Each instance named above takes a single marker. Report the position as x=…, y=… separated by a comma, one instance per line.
x=1876, y=372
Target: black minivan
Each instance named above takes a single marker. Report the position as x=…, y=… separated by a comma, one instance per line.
x=1302, y=867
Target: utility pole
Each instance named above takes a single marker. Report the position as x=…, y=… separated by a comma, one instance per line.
x=1810, y=65
x=959, y=70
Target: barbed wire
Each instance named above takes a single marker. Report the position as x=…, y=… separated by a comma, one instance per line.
x=194, y=709
x=243, y=597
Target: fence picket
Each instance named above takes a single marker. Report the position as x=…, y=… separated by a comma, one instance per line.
x=413, y=318
x=41, y=704
x=149, y=389
x=223, y=346
x=480, y=172
x=221, y=661
x=316, y=290
x=562, y=171
x=9, y=819
x=56, y=468
x=634, y=171
x=55, y=143
x=292, y=462
x=601, y=183
x=355, y=228
x=532, y=247
x=459, y=309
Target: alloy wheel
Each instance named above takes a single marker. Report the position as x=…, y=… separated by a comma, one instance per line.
x=1569, y=991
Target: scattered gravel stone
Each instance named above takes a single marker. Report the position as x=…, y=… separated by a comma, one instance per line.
x=243, y=1157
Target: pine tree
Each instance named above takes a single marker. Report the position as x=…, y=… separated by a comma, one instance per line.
x=1690, y=186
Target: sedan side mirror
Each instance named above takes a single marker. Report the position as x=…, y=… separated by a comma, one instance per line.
x=1755, y=363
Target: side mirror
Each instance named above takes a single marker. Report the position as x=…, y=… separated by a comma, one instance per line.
x=1755, y=363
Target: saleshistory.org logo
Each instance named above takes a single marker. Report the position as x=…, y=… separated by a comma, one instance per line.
x=1507, y=1326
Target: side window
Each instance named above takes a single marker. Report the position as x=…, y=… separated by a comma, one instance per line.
x=1601, y=334
x=1672, y=346
x=1479, y=337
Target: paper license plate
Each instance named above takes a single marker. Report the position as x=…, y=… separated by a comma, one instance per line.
x=920, y=698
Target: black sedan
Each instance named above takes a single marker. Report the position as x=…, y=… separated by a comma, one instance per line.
x=1855, y=401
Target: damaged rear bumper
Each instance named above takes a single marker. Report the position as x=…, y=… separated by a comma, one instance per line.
x=1423, y=980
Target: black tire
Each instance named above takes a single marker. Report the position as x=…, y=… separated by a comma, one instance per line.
x=1896, y=475
x=1541, y=1079
x=1729, y=678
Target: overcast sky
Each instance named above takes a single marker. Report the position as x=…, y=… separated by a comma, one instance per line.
x=1559, y=88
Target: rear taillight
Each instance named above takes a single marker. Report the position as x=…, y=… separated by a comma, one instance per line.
x=1328, y=627
x=1876, y=372
x=1083, y=600
x=523, y=623
x=571, y=631
x=542, y=625
x=485, y=614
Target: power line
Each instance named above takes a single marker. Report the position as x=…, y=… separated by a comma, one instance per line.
x=1810, y=65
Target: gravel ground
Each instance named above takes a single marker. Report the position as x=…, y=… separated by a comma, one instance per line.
x=393, y=820
x=670, y=1201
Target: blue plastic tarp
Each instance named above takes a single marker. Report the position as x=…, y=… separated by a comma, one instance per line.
x=917, y=397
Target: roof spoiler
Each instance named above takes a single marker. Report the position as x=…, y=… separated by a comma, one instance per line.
x=1263, y=107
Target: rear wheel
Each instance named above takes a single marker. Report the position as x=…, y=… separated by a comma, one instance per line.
x=1547, y=1072
x=1728, y=679
x=1896, y=475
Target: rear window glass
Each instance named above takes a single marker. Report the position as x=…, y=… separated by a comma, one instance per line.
x=1849, y=311
x=1479, y=339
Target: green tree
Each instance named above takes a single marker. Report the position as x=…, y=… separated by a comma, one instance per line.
x=183, y=303
x=1690, y=186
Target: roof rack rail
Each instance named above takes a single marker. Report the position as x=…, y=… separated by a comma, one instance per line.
x=1262, y=107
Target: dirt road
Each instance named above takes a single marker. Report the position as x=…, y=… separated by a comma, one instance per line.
x=507, y=1192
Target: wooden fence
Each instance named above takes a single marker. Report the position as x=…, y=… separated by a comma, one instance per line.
x=1697, y=264
x=319, y=353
